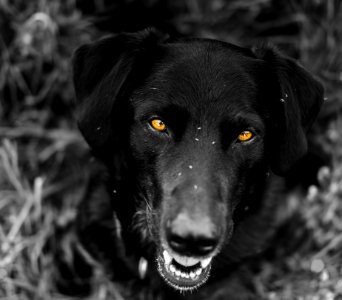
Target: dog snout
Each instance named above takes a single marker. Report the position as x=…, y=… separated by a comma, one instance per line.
x=192, y=235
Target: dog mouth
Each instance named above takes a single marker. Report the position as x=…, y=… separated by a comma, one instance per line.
x=183, y=273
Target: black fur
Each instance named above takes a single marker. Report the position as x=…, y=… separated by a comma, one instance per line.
x=206, y=92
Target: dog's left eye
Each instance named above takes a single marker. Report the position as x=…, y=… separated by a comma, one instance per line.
x=158, y=125
x=245, y=136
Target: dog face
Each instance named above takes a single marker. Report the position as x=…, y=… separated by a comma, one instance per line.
x=189, y=130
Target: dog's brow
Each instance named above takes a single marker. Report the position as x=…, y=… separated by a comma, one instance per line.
x=250, y=119
x=149, y=97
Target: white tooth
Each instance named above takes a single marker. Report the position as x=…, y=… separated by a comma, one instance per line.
x=192, y=275
x=178, y=273
x=172, y=268
x=198, y=271
x=186, y=275
x=183, y=275
x=167, y=257
x=205, y=262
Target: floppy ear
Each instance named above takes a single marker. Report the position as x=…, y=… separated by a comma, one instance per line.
x=100, y=72
x=298, y=103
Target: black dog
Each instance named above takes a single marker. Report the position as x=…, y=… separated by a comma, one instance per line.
x=194, y=133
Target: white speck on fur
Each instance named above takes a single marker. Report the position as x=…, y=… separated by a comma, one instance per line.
x=114, y=191
x=98, y=128
x=246, y=208
x=195, y=187
x=180, y=174
x=196, y=139
x=213, y=142
x=286, y=95
x=282, y=100
x=154, y=88
x=199, y=128
x=190, y=166
x=325, y=99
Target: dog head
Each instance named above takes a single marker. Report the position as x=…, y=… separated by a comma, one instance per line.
x=189, y=130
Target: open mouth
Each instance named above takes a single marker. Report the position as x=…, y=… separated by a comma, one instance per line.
x=183, y=273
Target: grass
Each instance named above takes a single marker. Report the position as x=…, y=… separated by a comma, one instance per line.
x=43, y=159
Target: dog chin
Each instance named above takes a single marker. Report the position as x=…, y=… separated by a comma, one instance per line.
x=184, y=274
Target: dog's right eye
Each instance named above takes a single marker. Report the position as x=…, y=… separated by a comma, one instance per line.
x=158, y=125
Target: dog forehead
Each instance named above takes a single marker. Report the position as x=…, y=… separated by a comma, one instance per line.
x=202, y=75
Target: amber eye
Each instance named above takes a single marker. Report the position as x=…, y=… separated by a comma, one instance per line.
x=245, y=136
x=158, y=125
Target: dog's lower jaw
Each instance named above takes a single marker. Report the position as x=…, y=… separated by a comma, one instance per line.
x=182, y=278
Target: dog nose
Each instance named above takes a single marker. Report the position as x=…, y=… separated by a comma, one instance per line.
x=192, y=236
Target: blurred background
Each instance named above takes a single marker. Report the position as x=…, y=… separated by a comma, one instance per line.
x=44, y=161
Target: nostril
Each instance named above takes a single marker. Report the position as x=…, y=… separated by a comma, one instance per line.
x=207, y=245
x=177, y=243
